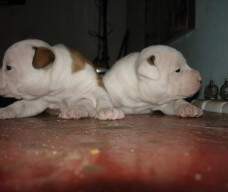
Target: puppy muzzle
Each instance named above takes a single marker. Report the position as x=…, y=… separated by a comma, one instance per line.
x=1, y=88
x=195, y=82
x=2, y=84
x=197, y=76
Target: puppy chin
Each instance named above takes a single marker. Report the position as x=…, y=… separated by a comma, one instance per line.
x=192, y=91
x=14, y=96
x=11, y=96
x=7, y=94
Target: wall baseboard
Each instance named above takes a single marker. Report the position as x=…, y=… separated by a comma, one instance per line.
x=218, y=106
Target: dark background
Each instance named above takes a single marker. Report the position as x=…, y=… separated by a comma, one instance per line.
x=69, y=22
x=197, y=28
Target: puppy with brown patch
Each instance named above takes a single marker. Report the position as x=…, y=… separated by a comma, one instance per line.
x=52, y=77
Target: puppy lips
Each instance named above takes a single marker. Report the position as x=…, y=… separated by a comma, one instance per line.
x=7, y=93
x=2, y=86
x=11, y=95
x=190, y=84
x=195, y=88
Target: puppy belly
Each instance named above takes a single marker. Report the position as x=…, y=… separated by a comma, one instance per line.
x=132, y=110
x=52, y=112
x=82, y=109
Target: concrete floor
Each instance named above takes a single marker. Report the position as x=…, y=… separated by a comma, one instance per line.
x=139, y=153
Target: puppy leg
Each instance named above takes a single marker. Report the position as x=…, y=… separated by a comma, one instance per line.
x=22, y=108
x=82, y=109
x=104, y=107
x=181, y=108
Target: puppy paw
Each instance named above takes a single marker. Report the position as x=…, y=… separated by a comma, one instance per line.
x=110, y=114
x=188, y=110
x=7, y=114
x=78, y=113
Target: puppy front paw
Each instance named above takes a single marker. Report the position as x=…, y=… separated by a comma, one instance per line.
x=77, y=113
x=7, y=114
x=110, y=114
x=189, y=110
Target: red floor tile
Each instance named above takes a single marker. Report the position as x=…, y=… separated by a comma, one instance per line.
x=139, y=153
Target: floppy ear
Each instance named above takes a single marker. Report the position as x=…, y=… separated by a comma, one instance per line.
x=43, y=57
x=148, y=69
x=151, y=60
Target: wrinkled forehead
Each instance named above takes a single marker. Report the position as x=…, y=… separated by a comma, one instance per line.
x=22, y=51
x=30, y=43
x=165, y=55
x=18, y=53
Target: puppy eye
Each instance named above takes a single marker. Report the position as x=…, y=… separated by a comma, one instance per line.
x=178, y=71
x=8, y=67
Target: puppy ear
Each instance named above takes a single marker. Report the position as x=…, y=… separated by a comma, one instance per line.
x=148, y=69
x=151, y=60
x=43, y=57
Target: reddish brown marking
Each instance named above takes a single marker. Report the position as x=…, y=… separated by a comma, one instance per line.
x=79, y=63
x=43, y=57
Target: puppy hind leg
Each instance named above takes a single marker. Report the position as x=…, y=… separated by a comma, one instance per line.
x=83, y=108
x=104, y=107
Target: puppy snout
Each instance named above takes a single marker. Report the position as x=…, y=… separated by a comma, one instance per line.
x=199, y=79
x=1, y=88
x=197, y=76
x=2, y=85
x=1, y=91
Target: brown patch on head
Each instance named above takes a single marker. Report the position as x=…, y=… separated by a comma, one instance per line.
x=79, y=60
x=151, y=60
x=43, y=57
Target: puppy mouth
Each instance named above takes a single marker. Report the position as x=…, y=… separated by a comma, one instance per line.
x=9, y=96
x=194, y=91
x=5, y=101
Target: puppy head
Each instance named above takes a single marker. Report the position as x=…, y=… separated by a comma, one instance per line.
x=164, y=74
x=25, y=68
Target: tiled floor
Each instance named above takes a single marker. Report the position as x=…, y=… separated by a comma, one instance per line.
x=139, y=153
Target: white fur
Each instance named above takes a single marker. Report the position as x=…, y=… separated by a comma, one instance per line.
x=75, y=94
x=137, y=87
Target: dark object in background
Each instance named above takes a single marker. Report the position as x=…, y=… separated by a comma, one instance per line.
x=224, y=90
x=168, y=20
x=12, y=2
x=211, y=91
x=158, y=21
x=124, y=46
x=102, y=59
x=190, y=99
x=6, y=101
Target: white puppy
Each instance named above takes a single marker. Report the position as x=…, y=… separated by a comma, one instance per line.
x=157, y=78
x=52, y=77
